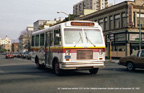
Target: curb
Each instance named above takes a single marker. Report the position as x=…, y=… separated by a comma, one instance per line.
x=112, y=61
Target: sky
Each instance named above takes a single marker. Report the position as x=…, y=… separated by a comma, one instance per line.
x=16, y=15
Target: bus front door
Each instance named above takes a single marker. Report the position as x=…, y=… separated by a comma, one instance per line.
x=48, y=53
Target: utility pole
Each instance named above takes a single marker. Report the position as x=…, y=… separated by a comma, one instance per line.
x=111, y=38
x=65, y=14
x=140, y=26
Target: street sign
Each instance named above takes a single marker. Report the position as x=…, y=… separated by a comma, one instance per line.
x=110, y=37
x=130, y=14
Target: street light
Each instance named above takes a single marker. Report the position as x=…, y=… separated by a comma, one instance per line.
x=65, y=14
x=140, y=26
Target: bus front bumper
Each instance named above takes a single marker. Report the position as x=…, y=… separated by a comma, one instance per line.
x=81, y=65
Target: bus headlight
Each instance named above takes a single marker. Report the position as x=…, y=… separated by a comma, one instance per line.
x=100, y=51
x=67, y=52
x=67, y=55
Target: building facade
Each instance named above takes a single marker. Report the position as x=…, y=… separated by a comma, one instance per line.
x=6, y=43
x=120, y=24
x=41, y=24
x=14, y=47
x=89, y=4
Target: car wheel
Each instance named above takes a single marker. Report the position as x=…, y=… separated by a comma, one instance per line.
x=94, y=70
x=130, y=66
x=56, y=69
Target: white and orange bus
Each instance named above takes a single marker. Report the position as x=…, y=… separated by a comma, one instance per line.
x=71, y=45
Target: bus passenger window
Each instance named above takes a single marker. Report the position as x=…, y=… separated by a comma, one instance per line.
x=57, y=37
x=32, y=44
x=37, y=40
x=41, y=39
x=51, y=38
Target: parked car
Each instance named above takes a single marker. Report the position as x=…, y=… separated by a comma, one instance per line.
x=136, y=60
x=19, y=55
x=9, y=55
x=15, y=54
x=28, y=56
x=25, y=54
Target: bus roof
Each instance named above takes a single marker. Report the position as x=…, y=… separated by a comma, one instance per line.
x=68, y=23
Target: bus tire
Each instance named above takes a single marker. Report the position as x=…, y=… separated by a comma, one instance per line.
x=94, y=70
x=56, y=68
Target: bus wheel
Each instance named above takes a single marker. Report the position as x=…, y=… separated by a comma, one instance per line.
x=94, y=70
x=56, y=68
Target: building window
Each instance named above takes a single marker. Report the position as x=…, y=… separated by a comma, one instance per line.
x=111, y=26
x=124, y=20
x=37, y=40
x=105, y=24
x=134, y=37
x=101, y=23
x=119, y=48
x=142, y=20
x=42, y=39
x=120, y=37
x=134, y=19
x=117, y=21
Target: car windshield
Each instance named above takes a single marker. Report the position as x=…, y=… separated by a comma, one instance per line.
x=142, y=53
x=77, y=36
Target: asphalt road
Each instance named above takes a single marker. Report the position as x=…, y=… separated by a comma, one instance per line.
x=21, y=76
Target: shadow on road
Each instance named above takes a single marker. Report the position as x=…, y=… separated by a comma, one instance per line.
x=124, y=69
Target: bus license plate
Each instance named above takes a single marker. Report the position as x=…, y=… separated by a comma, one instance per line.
x=67, y=57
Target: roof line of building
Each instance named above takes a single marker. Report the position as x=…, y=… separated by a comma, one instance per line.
x=107, y=8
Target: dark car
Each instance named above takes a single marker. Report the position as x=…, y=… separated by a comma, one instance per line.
x=136, y=60
x=19, y=55
x=9, y=55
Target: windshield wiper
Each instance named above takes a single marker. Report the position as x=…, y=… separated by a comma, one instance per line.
x=79, y=40
x=89, y=40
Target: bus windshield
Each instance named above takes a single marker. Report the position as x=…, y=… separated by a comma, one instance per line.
x=77, y=36
x=73, y=36
x=93, y=36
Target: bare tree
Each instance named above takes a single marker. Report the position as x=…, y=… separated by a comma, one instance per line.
x=24, y=32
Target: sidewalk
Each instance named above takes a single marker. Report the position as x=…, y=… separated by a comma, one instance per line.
x=112, y=60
